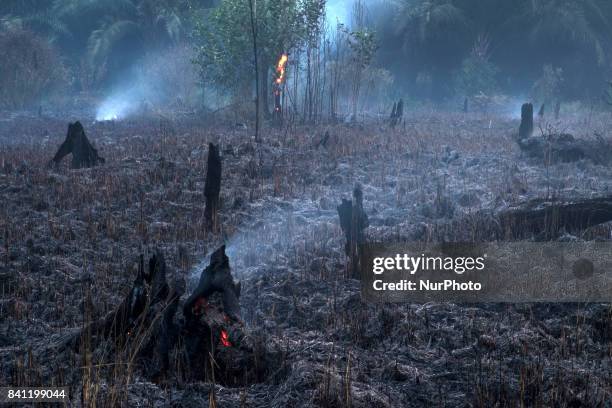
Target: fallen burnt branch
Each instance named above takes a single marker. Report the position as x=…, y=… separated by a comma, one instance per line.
x=539, y=219
x=547, y=219
x=84, y=155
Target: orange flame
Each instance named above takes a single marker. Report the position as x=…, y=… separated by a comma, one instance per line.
x=280, y=69
x=225, y=339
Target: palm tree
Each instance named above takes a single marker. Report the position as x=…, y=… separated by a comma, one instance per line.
x=435, y=35
x=99, y=29
x=584, y=24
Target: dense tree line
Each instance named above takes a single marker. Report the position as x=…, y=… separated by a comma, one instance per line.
x=430, y=40
x=558, y=49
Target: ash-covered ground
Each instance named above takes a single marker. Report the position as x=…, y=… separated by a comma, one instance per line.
x=70, y=238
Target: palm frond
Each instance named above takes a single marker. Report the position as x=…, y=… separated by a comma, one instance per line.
x=102, y=41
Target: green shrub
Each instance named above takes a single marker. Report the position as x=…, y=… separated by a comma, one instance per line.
x=476, y=76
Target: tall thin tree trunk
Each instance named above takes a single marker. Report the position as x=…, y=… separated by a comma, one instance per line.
x=265, y=105
x=253, y=6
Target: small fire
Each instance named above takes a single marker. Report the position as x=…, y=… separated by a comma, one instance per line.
x=225, y=339
x=280, y=69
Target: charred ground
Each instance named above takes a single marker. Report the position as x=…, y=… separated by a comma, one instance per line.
x=70, y=239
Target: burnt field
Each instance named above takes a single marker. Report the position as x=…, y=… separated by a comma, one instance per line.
x=70, y=240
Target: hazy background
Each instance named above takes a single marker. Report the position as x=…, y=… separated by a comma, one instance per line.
x=120, y=57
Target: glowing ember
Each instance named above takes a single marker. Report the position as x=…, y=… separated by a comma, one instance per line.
x=200, y=306
x=225, y=339
x=280, y=69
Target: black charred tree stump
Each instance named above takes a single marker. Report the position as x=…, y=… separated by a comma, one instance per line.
x=206, y=342
x=84, y=155
x=217, y=277
x=212, y=188
x=277, y=113
x=526, y=128
x=397, y=113
x=557, y=110
x=212, y=316
x=353, y=221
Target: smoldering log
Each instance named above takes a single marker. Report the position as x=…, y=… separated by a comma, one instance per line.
x=526, y=127
x=212, y=188
x=546, y=219
x=84, y=155
x=353, y=221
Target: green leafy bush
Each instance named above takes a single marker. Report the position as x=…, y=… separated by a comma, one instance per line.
x=476, y=76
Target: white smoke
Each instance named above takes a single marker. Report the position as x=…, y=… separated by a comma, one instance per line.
x=276, y=234
x=122, y=103
x=166, y=79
